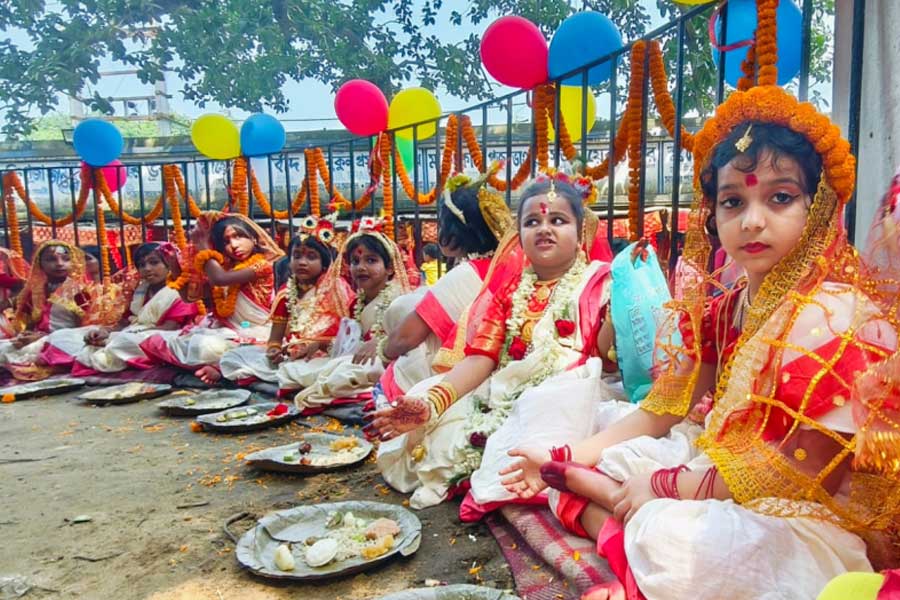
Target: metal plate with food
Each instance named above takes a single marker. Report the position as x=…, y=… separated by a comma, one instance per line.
x=249, y=418
x=190, y=403
x=320, y=541
x=314, y=453
x=47, y=387
x=452, y=592
x=125, y=393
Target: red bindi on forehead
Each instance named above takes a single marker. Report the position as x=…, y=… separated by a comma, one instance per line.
x=544, y=208
x=751, y=180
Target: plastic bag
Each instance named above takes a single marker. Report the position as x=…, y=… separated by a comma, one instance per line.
x=639, y=291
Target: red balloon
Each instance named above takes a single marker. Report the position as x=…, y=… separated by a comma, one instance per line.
x=514, y=52
x=114, y=173
x=361, y=107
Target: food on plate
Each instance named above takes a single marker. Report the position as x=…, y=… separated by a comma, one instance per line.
x=284, y=560
x=344, y=443
x=382, y=527
x=322, y=552
x=381, y=546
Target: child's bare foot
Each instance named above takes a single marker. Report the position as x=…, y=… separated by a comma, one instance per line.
x=579, y=479
x=208, y=375
x=605, y=591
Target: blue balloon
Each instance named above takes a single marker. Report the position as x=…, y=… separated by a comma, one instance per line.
x=261, y=135
x=581, y=39
x=97, y=142
x=742, y=26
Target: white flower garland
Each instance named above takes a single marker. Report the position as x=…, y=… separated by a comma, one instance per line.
x=557, y=307
x=382, y=302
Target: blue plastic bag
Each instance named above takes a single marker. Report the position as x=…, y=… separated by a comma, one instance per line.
x=639, y=291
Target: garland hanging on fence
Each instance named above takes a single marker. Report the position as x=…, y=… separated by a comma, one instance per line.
x=759, y=64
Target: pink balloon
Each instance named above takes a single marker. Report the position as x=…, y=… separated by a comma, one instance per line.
x=110, y=173
x=514, y=52
x=361, y=107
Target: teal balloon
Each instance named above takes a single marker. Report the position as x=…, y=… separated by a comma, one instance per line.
x=405, y=150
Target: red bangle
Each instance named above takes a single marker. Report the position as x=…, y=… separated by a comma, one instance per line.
x=707, y=484
x=664, y=482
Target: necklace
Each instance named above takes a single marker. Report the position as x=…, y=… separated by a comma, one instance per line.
x=382, y=302
x=296, y=293
x=557, y=307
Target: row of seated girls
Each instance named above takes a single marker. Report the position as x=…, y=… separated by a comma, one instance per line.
x=766, y=452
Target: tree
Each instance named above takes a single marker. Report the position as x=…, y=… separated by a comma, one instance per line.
x=239, y=52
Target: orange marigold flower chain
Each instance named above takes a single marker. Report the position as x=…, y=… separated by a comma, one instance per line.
x=225, y=298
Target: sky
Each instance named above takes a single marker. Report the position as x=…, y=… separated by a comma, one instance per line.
x=315, y=111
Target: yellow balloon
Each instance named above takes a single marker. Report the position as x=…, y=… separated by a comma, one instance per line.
x=570, y=111
x=411, y=106
x=859, y=586
x=215, y=136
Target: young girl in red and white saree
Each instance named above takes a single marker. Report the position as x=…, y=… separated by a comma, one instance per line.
x=235, y=255
x=530, y=370
x=796, y=471
x=307, y=310
x=154, y=306
x=471, y=222
x=379, y=276
x=54, y=299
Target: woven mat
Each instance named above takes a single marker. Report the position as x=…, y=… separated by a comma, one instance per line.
x=547, y=562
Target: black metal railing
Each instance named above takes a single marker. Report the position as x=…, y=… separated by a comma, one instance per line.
x=55, y=186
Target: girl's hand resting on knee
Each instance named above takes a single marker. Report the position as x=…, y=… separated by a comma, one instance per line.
x=525, y=474
x=631, y=496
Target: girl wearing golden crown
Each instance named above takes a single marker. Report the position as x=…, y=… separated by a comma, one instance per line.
x=471, y=222
x=378, y=274
x=306, y=312
x=536, y=338
x=797, y=473
x=235, y=255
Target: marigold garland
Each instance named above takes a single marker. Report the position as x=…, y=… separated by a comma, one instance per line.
x=312, y=182
x=388, y=206
x=11, y=181
x=107, y=194
x=224, y=298
x=748, y=70
x=239, y=193
x=169, y=189
x=15, y=236
x=634, y=142
x=664, y=103
x=767, y=42
x=179, y=282
x=102, y=239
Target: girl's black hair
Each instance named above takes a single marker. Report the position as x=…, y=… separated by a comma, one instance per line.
x=431, y=251
x=145, y=250
x=282, y=271
x=562, y=188
x=326, y=254
x=217, y=235
x=473, y=236
x=94, y=250
x=770, y=141
x=370, y=243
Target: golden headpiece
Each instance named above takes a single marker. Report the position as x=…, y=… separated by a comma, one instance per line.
x=491, y=204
